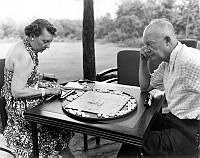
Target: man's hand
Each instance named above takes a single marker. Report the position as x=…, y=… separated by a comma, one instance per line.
x=145, y=53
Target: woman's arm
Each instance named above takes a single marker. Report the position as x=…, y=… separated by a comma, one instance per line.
x=22, y=69
x=49, y=77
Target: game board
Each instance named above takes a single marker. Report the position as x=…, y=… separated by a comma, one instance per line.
x=99, y=104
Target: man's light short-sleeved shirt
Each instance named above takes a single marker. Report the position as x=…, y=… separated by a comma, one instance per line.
x=180, y=79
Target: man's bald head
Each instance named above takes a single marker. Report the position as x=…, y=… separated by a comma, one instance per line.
x=159, y=28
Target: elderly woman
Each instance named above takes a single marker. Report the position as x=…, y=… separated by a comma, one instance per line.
x=24, y=88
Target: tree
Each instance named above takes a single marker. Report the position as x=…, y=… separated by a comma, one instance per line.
x=70, y=29
x=187, y=23
x=8, y=27
x=131, y=18
x=103, y=26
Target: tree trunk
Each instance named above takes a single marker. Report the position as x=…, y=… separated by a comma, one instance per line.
x=89, y=69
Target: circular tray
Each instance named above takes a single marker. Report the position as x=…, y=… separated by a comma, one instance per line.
x=129, y=107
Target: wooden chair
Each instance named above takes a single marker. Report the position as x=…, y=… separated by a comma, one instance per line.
x=3, y=113
x=2, y=100
x=127, y=69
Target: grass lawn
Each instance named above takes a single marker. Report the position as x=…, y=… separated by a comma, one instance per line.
x=65, y=59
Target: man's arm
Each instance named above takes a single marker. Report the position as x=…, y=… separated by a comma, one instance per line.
x=144, y=72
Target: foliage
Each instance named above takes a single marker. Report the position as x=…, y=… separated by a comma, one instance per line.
x=103, y=26
x=127, y=27
x=8, y=28
x=68, y=28
x=134, y=15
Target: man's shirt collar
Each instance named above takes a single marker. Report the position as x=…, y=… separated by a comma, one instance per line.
x=174, y=53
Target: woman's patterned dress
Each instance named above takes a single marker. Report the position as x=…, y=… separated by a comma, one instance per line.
x=18, y=131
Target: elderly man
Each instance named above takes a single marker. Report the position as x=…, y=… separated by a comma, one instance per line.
x=177, y=132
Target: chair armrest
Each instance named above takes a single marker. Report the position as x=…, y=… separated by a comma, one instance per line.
x=111, y=80
x=104, y=72
x=107, y=74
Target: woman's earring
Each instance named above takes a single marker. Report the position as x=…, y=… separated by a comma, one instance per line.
x=32, y=39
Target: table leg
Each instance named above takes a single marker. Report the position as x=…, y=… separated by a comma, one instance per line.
x=35, y=139
x=85, y=142
x=97, y=140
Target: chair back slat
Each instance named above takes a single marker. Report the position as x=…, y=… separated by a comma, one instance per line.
x=128, y=67
x=189, y=42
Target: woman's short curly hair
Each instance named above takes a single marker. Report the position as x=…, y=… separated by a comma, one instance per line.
x=36, y=27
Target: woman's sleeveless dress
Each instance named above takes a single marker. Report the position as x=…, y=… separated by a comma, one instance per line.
x=18, y=131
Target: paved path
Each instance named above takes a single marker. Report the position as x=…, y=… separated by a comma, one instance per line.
x=106, y=149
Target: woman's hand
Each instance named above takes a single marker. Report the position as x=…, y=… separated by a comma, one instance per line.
x=53, y=91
